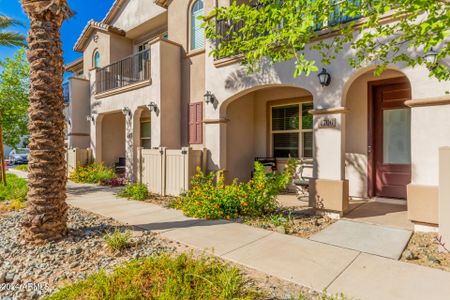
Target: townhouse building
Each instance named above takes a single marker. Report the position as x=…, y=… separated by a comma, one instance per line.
x=146, y=80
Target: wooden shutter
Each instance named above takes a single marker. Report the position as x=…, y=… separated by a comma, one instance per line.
x=196, y=123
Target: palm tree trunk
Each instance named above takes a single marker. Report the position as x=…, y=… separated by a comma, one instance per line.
x=46, y=217
x=2, y=157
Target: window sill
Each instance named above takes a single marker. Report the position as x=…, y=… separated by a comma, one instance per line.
x=195, y=52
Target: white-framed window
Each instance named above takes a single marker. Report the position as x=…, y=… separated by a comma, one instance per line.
x=197, y=32
x=146, y=133
x=96, y=59
x=291, y=130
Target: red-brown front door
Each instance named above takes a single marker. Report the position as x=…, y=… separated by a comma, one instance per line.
x=390, y=146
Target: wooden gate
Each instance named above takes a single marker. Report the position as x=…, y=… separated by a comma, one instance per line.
x=168, y=172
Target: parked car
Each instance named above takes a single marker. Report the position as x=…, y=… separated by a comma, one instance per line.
x=19, y=156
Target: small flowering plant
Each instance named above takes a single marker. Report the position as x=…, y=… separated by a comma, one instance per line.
x=210, y=198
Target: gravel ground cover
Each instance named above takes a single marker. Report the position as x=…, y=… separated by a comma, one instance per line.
x=298, y=221
x=29, y=271
x=423, y=250
x=32, y=272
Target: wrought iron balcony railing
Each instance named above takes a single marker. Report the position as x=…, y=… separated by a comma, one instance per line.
x=227, y=29
x=133, y=69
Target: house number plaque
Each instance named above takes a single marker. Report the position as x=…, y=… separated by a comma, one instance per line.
x=328, y=123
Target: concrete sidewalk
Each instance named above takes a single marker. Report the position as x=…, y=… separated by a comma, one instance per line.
x=305, y=262
x=313, y=264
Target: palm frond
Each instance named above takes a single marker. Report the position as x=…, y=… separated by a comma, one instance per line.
x=12, y=39
x=6, y=22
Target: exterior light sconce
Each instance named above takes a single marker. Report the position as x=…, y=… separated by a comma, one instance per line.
x=324, y=77
x=431, y=58
x=209, y=97
x=153, y=107
x=126, y=111
x=90, y=118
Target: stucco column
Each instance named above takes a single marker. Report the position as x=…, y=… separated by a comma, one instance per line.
x=96, y=137
x=215, y=142
x=444, y=195
x=329, y=189
x=129, y=145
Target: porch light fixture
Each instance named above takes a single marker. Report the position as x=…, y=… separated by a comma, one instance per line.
x=209, y=97
x=90, y=118
x=152, y=106
x=324, y=77
x=431, y=58
x=126, y=111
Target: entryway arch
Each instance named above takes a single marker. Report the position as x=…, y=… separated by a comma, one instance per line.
x=370, y=133
x=268, y=121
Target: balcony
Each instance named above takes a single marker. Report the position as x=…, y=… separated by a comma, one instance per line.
x=66, y=93
x=131, y=70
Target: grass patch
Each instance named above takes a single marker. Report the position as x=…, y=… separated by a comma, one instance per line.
x=135, y=191
x=95, y=173
x=15, y=190
x=163, y=277
x=117, y=240
x=23, y=168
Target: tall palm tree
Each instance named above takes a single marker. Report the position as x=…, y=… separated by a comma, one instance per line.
x=46, y=216
x=10, y=38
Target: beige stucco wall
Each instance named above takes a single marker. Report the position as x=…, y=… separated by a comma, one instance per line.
x=240, y=138
x=136, y=12
x=79, y=109
x=192, y=63
x=120, y=48
x=103, y=45
x=113, y=137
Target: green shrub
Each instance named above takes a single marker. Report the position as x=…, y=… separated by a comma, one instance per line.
x=15, y=189
x=95, y=173
x=163, y=277
x=117, y=240
x=135, y=191
x=23, y=168
x=213, y=199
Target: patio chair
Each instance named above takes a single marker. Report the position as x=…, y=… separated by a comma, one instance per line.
x=301, y=179
x=119, y=167
x=269, y=163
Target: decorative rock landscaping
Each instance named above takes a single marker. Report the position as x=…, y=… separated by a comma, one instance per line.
x=29, y=271
x=423, y=250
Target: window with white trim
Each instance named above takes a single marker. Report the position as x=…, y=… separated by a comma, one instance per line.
x=197, y=32
x=96, y=59
x=292, y=130
x=146, y=133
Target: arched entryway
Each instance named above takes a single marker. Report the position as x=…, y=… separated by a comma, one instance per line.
x=378, y=135
x=111, y=134
x=268, y=122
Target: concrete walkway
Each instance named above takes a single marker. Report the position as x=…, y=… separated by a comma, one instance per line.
x=309, y=263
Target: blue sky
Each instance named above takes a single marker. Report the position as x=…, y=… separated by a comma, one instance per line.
x=71, y=29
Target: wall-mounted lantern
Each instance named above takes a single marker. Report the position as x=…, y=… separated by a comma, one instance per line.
x=126, y=111
x=90, y=118
x=209, y=97
x=152, y=106
x=324, y=77
x=431, y=58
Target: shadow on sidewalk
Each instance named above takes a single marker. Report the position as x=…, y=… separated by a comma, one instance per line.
x=87, y=189
x=172, y=225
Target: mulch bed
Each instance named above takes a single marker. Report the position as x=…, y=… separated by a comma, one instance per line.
x=423, y=249
x=164, y=201
x=301, y=222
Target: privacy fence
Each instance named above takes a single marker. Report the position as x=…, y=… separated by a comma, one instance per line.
x=166, y=171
